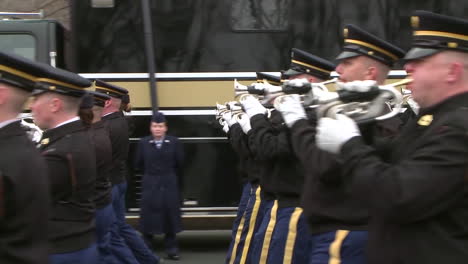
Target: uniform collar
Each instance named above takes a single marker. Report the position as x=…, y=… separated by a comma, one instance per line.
x=54, y=134
x=7, y=122
x=447, y=105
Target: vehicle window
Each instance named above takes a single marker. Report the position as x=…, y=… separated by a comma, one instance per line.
x=20, y=44
x=260, y=15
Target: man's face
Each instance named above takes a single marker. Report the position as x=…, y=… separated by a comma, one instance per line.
x=353, y=69
x=42, y=110
x=158, y=130
x=428, y=74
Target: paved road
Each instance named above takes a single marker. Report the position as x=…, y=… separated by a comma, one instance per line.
x=197, y=247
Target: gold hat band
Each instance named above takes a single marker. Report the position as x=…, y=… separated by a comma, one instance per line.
x=440, y=34
x=310, y=66
x=47, y=80
x=107, y=89
x=17, y=73
x=368, y=45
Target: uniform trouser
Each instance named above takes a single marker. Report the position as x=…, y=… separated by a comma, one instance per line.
x=244, y=200
x=241, y=251
x=170, y=242
x=262, y=238
x=134, y=241
x=104, y=219
x=341, y=246
x=87, y=255
x=290, y=242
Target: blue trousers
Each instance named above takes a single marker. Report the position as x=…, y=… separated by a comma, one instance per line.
x=248, y=226
x=262, y=238
x=123, y=231
x=341, y=246
x=290, y=242
x=244, y=200
x=88, y=255
x=104, y=219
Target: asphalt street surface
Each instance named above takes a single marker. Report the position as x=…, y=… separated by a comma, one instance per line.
x=197, y=247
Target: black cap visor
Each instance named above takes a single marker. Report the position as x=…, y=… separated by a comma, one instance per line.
x=417, y=53
x=347, y=54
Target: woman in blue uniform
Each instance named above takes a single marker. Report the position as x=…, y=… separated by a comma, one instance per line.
x=160, y=157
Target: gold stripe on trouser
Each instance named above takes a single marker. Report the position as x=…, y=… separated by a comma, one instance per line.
x=268, y=234
x=253, y=219
x=292, y=233
x=335, y=247
x=238, y=236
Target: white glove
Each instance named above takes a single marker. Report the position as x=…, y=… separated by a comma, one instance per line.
x=297, y=82
x=291, y=109
x=320, y=95
x=244, y=122
x=413, y=105
x=356, y=86
x=252, y=106
x=333, y=133
x=230, y=120
x=225, y=127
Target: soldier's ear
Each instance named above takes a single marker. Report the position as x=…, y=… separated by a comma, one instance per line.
x=371, y=73
x=55, y=104
x=3, y=94
x=107, y=103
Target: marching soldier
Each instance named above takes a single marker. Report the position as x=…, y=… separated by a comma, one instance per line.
x=286, y=239
x=67, y=147
x=118, y=133
x=257, y=196
x=337, y=217
x=417, y=193
x=24, y=192
x=90, y=113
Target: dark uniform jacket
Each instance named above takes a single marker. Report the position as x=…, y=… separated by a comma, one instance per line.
x=419, y=198
x=160, y=199
x=24, y=199
x=248, y=168
x=103, y=149
x=282, y=170
x=118, y=131
x=70, y=156
x=329, y=201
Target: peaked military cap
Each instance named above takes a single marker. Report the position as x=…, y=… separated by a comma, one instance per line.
x=51, y=79
x=110, y=89
x=126, y=99
x=158, y=117
x=87, y=101
x=271, y=79
x=433, y=33
x=18, y=71
x=304, y=62
x=99, y=99
x=358, y=42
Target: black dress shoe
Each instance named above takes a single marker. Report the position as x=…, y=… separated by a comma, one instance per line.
x=173, y=256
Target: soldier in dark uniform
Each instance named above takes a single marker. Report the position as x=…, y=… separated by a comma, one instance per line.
x=289, y=239
x=160, y=157
x=24, y=193
x=337, y=218
x=122, y=234
x=253, y=203
x=418, y=193
x=90, y=113
x=67, y=147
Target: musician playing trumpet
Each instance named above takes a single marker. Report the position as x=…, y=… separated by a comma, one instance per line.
x=338, y=217
x=282, y=236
